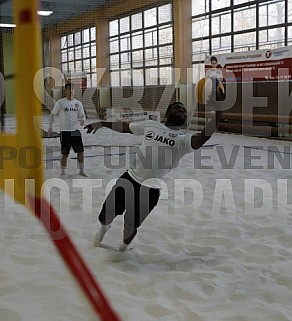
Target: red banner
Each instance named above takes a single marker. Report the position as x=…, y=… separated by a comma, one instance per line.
x=246, y=66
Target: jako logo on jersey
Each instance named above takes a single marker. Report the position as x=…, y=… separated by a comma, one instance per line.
x=159, y=138
x=71, y=109
x=149, y=135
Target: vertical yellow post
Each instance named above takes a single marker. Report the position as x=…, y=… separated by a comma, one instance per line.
x=27, y=58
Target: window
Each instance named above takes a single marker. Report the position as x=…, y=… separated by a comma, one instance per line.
x=271, y=13
x=141, y=48
x=238, y=25
x=290, y=35
x=78, y=54
x=244, y=19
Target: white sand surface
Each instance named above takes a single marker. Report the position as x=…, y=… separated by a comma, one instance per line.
x=217, y=247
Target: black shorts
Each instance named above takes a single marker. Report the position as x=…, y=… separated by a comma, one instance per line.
x=128, y=196
x=71, y=139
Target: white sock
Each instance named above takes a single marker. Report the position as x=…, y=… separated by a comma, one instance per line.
x=81, y=169
x=100, y=234
x=62, y=167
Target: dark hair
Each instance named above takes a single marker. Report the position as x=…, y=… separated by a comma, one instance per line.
x=69, y=85
x=213, y=58
x=174, y=104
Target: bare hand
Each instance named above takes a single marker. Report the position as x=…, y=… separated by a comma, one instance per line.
x=81, y=122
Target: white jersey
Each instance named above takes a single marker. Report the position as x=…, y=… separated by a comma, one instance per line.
x=70, y=111
x=160, y=152
x=214, y=73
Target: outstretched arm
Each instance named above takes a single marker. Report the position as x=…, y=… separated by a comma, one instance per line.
x=51, y=120
x=200, y=139
x=118, y=126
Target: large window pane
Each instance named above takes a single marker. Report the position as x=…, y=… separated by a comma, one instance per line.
x=125, y=60
x=92, y=34
x=151, y=37
x=93, y=50
x=165, y=76
x=271, y=13
x=114, y=45
x=221, y=43
x=138, y=77
x=78, y=66
x=198, y=72
x=93, y=64
x=244, y=19
x=276, y=34
x=165, y=55
x=137, y=58
x=115, y=61
x=137, y=40
x=64, y=56
x=125, y=43
x=289, y=11
x=71, y=66
x=126, y=78
x=263, y=37
x=200, y=28
x=136, y=20
x=77, y=38
x=86, y=35
x=164, y=13
x=199, y=7
x=150, y=17
x=151, y=75
x=63, y=42
x=86, y=51
x=115, y=78
x=70, y=40
x=263, y=16
x=114, y=28
x=124, y=25
x=271, y=36
x=78, y=52
x=221, y=23
x=71, y=55
x=64, y=68
x=215, y=4
x=165, y=35
x=93, y=80
x=245, y=41
x=289, y=35
x=151, y=57
x=200, y=49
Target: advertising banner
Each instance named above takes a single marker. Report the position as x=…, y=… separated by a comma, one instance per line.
x=246, y=66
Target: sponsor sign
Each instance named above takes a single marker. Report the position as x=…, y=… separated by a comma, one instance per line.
x=259, y=65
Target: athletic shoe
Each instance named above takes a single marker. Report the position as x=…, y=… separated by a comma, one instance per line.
x=123, y=247
x=100, y=234
x=82, y=173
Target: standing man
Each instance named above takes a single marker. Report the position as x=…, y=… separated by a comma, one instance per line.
x=71, y=113
x=137, y=191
